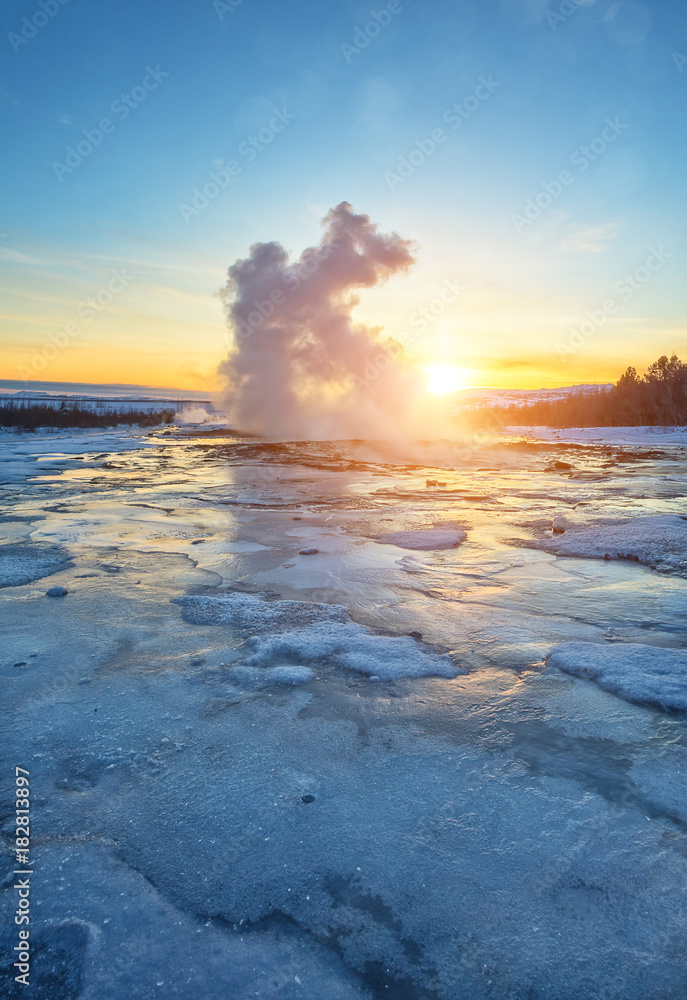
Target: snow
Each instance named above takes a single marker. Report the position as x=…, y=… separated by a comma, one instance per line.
x=255, y=613
x=351, y=647
x=657, y=541
x=648, y=436
x=24, y=563
x=325, y=637
x=642, y=674
x=425, y=539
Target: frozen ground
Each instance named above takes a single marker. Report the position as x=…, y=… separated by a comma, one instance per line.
x=606, y=435
x=353, y=774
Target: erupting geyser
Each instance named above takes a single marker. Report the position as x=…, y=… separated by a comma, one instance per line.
x=299, y=365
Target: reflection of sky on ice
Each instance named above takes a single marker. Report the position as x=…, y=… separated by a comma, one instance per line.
x=483, y=833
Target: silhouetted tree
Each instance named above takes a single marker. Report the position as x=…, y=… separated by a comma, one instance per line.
x=659, y=397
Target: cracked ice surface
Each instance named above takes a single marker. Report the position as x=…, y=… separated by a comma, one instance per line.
x=248, y=778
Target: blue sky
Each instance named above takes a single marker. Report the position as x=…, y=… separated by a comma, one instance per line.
x=558, y=73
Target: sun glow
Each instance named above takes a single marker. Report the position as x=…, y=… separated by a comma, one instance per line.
x=445, y=378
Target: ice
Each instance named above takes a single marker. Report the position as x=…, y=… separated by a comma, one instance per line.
x=26, y=562
x=252, y=612
x=447, y=859
x=226, y=804
x=638, y=673
x=325, y=636
x=354, y=648
x=111, y=934
x=657, y=541
x=424, y=539
x=605, y=435
x=247, y=676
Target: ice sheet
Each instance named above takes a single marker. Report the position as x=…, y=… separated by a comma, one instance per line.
x=642, y=674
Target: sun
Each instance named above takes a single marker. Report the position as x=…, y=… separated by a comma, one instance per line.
x=445, y=378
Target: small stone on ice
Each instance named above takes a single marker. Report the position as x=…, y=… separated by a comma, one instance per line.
x=57, y=592
x=310, y=551
x=307, y=798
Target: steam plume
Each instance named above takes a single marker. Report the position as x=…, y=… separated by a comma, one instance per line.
x=300, y=367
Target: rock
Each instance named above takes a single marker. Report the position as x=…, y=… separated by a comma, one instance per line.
x=21, y=663
x=557, y=466
x=307, y=799
x=415, y=634
x=57, y=592
x=559, y=524
x=309, y=551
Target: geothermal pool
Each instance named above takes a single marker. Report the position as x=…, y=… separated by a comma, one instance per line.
x=351, y=773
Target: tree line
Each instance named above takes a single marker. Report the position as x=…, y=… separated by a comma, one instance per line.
x=659, y=398
x=31, y=416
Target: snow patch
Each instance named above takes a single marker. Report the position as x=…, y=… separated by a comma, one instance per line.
x=25, y=562
x=645, y=435
x=249, y=611
x=352, y=647
x=638, y=673
x=299, y=633
x=658, y=541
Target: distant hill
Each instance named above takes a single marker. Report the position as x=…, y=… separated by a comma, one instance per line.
x=468, y=398
x=19, y=390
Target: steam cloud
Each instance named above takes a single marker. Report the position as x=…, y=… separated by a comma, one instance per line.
x=300, y=367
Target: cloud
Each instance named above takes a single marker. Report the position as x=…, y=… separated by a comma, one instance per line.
x=589, y=239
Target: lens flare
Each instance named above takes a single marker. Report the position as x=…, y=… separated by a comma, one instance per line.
x=446, y=378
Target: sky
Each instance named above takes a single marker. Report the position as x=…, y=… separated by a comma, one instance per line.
x=533, y=151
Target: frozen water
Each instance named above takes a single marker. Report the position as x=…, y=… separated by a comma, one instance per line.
x=659, y=542
x=427, y=539
x=225, y=803
x=326, y=636
x=23, y=563
x=642, y=674
x=249, y=611
x=353, y=647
